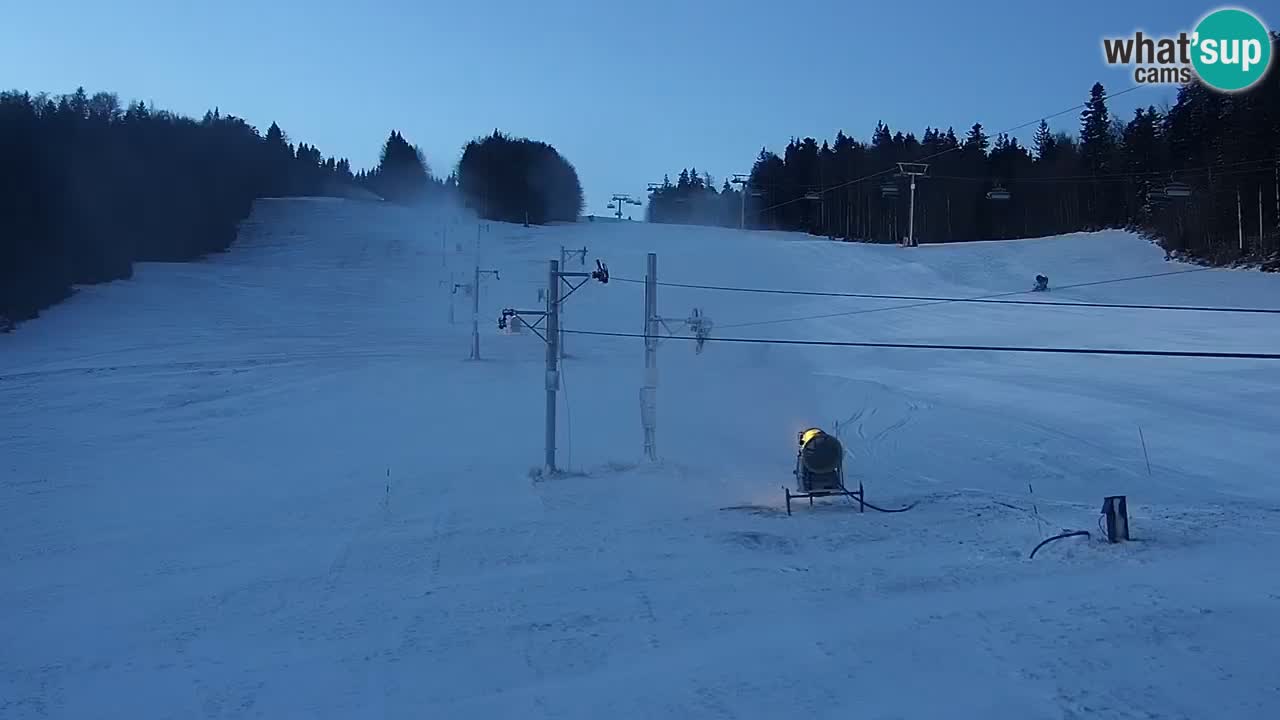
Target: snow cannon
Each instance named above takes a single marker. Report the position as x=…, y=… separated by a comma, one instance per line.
x=820, y=469
x=821, y=456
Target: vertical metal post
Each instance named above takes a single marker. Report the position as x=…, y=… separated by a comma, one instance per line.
x=742, y=221
x=553, y=359
x=1239, y=220
x=1278, y=200
x=563, y=264
x=911, y=222
x=475, y=313
x=649, y=392
x=444, y=244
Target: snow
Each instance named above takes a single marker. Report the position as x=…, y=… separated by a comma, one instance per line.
x=270, y=485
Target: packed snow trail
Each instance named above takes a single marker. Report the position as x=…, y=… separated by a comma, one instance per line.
x=269, y=485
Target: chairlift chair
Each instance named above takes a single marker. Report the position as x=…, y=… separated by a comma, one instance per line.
x=811, y=195
x=998, y=193
x=1177, y=190
x=889, y=189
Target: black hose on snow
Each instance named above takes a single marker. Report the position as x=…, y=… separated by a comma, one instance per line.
x=1046, y=541
x=883, y=510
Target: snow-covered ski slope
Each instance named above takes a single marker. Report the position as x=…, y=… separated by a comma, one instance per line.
x=270, y=485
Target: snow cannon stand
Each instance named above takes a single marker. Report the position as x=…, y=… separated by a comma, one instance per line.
x=820, y=470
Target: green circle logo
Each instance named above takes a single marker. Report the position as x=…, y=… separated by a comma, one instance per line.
x=1232, y=49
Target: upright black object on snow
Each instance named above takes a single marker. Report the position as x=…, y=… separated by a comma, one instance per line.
x=1042, y=284
x=820, y=469
x=1115, y=508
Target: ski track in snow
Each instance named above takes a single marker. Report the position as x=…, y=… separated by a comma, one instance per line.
x=269, y=485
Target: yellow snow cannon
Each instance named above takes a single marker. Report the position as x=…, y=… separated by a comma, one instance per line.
x=820, y=469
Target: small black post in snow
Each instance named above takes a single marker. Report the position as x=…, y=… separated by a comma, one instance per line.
x=1036, y=510
x=1145, y=456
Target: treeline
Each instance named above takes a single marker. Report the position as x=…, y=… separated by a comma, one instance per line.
x=693, y=200
x=403, y=176
x=88, y=187
x=518, y=180
x=1201, y=177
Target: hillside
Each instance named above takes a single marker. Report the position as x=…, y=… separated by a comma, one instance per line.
x=270, y=484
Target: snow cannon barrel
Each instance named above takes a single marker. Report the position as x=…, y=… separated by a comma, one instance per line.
x=819, y=452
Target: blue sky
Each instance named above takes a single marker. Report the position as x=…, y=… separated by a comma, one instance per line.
x=626, y=91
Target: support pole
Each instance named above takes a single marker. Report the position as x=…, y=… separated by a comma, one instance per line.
x=553, y=360
x=475, y=313
x=564, y=262
x=911, y=221
x=649, y=392
x=475, y=295
x=914, y=170
x=475, y=300
x=1239, y=221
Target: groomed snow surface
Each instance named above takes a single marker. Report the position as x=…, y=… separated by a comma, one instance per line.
x=271, y=485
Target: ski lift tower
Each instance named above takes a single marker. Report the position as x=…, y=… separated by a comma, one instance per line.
x=651, y=190
x=815, y=196
x=619, y=199
x=744, y=183
x=913, y=170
